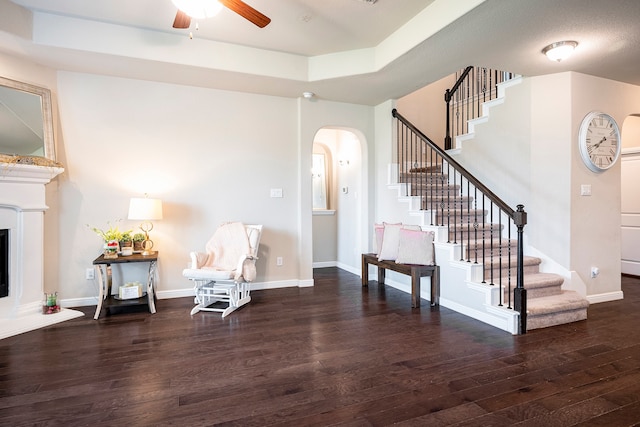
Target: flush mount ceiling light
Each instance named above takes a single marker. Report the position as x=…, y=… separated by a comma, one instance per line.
x=308, y=95
x=199, y=9
x=560, y=50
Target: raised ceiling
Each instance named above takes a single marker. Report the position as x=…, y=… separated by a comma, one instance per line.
x=343, y=50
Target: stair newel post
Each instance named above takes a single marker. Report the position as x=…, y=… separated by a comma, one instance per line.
x=520, y=297
x=447, y=137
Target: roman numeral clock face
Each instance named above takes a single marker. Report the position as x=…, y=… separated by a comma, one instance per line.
x=599, y=141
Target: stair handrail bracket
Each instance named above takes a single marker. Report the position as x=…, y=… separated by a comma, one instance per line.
x=475, y=217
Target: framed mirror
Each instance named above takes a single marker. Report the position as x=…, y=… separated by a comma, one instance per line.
x=26, y=120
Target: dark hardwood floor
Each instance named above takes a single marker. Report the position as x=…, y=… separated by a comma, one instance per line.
x=334, y=354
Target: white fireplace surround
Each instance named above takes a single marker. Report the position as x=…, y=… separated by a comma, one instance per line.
x=22, y=206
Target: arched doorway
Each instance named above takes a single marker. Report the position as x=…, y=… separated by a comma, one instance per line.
x=337, y=224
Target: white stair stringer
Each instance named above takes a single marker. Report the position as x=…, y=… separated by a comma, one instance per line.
x=461, y=291
x=486, y=108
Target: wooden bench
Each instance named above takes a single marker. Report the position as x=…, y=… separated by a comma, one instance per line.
x=413, y=270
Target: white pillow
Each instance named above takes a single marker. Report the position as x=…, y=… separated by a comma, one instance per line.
x=390, y=241
x=415, y=247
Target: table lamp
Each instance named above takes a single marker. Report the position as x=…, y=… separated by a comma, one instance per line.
x=146, y=210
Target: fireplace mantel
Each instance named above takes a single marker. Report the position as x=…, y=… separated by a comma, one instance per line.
x=28, y=172
x=22, y=207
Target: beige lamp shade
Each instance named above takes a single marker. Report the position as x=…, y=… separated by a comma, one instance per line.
x=145, y=209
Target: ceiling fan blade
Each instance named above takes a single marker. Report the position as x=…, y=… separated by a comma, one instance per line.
x=247, y=12
x=182, y=20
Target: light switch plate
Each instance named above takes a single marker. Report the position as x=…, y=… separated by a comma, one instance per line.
x=585, y=190
x=276, y=192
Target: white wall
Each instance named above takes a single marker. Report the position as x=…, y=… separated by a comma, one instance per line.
x=597, y=243
x=426, y=109
x=210, y=155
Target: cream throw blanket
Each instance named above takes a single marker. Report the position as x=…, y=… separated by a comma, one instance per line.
x=228, y=244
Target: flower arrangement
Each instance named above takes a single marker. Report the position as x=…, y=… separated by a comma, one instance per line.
x=111, y=237
x=112, y=233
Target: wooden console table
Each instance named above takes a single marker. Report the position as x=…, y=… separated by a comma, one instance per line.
x=104, y=276
x=413, y=270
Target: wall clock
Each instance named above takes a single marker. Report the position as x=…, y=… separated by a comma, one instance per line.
x=599, y=141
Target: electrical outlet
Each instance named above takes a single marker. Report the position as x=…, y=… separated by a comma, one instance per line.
x=90, y=274
x=279, y=261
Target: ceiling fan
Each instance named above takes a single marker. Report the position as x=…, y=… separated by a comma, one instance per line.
x=200, y=9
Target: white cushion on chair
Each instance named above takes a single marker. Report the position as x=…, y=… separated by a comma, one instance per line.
x=254, y=238
x=228, y=244
x=207, y=274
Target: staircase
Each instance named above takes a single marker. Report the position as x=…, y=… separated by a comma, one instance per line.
x=547, y=303
x=476, y=245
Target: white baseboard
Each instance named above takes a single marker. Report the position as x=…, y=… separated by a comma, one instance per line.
x=79, y=302
x=324, y=264
x=349, y=268
x=33, y=321
x=631, y=267
x=188, y=292
x=497, y=317
x=607, y=296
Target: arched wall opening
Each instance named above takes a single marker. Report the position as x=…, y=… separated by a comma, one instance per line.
x=337, y=226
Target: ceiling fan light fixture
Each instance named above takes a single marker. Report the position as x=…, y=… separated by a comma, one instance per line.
x=199, y=9
x=559, y=51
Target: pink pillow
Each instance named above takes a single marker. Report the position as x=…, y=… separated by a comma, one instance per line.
x=415, y=247
x=378, y=231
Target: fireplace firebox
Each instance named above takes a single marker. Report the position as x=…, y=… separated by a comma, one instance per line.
x=4, y=263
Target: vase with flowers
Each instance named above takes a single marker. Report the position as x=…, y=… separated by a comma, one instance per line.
x=111, y=238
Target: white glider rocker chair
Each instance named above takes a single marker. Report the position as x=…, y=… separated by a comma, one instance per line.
x=223, y=274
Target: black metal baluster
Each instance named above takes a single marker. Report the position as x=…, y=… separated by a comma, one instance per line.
x=509, y=260
x=501, y=293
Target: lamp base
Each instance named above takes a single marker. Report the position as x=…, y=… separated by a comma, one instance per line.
x=147, y=245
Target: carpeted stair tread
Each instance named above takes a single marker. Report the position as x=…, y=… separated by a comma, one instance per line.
x=489, y=242
x=567, y=307
x=542, y=284
x=565, y=301
x=426, y=169
x=541, y=280
x=513, y=260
